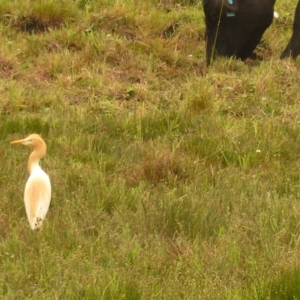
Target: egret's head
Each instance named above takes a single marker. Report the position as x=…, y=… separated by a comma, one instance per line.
x=33, y=141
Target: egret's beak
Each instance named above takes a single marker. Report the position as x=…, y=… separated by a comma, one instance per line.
x=18, y=142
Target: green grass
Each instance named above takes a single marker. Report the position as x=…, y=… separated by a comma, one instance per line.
x=170, y=180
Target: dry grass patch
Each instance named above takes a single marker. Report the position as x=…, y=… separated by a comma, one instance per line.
x=163, y=165
x=8, y=66
x=37, y=17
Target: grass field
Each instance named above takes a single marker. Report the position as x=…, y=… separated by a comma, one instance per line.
x=170, y=180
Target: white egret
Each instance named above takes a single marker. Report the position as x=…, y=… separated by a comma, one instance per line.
x=37, y=194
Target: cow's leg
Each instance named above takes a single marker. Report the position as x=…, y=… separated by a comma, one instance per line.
x=293, y=47
x=221, y=40
x=252, y=42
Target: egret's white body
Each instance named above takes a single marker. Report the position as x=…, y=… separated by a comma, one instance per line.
x=37, y=195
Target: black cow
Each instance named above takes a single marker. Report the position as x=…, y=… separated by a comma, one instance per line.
x=293, y=47
x=235, y=27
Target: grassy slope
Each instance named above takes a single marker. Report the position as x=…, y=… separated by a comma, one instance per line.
x=170, y=180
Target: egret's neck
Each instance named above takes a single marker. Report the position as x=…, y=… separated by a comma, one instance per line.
x=34, y=158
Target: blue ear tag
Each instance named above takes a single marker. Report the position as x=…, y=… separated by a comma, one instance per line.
x=230, y=13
